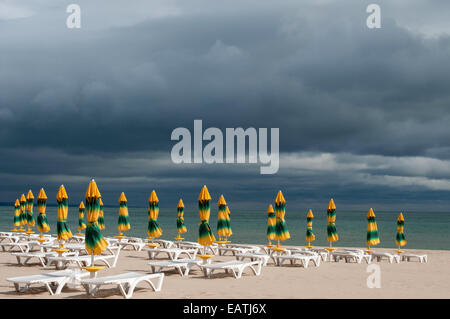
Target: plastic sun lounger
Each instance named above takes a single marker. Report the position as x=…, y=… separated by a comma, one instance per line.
x=390, y=257
x=42, y=256
x=223, y=250
x=304, y=259
x=136, y=245
x=60, y=278
x=172, y=253
x=24, y=246
x=85, y=260
x=179, y=265
x=162, y=242
x=237, y=267
x=351, y=255
x=408, y=256
x=254, y=256
x=126, y=282
x=189, y=244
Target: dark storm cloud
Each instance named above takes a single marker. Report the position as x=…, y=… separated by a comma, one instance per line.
x=102, y=101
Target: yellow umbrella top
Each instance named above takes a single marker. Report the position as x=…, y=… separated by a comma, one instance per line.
x=310, y=214
x=180, y=204
x=204, y=194
x=42, y=194
x=331, y=205
x=23, y=199
x=221, y=201
x=100, y=202
x=280, y=198
x=81, y=205
x=61, y=194
x=122, y=198
x=370, y=213
x=400, y=218
x=153, y=198
x=30, y=195
x=270, y=209
x=92, y=190
x=17, y=203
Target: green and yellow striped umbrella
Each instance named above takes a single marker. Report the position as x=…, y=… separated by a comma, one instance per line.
x=281, y=230
x=94, y=242
x=153, y=229
x=23, y=214
x=41, y=220
x=372, y=231
x=223, y=228
x=309, y=233
x=101, y=217
x=123, y=224
x=400, y=239
x=181, y=227
x=16, y=215
x=62, y=229
x=30, y=219
x=271, y=225
x=228, y=220
x=205, y=235
x=81, y=224
x=332, y=235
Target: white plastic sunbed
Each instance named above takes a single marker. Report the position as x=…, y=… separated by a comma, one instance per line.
x=179, y=265
x=126, y=282
x=42, y=256
x=408, y=256
x=222, y=250
x=24, y=246
x=60, y=278
x=162, y=242
x=390, y=257
x=237, y=267
x=254, y=256
x=347, y=255
x=172, y=253
x=303, y=258
x=85, y=260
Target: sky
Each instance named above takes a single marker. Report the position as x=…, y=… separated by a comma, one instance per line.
x=363, y=113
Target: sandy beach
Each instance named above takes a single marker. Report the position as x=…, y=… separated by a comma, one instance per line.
x=330, y=280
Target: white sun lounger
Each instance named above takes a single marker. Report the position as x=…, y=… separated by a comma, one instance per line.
x=85, y=260
x=135, y=245
x=125, y=282
x=172, y=253
x=42, y=256
x=59, y=278
x=24, y=246
x=408, y=256
x=303, y=258
x=356, y=256
x=253, y=256
x=390, y=257
x=162, y=242
x=222, y=250
x=236, y=266
x=178, y=264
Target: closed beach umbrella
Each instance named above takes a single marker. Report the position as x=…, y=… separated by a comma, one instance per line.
x=81, y=224
x=400, y=239
x=23, y=214
x=41, y=220
x=62, y=229
x=30, y=219
x=228, y=220
x=281, y=230
x=372, y=231
x=123, y=223
x=153, y=229
x=332, y=234
x=309, y=233
x=271, y=222
x=101, y=217
x=95, y=244
x=223, y=229
x=16, y=215
x=181, y=227
x=205, y=235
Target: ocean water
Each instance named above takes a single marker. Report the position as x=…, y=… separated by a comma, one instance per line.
x=423, y=230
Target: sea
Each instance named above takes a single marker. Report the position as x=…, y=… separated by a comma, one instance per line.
x=423, y=230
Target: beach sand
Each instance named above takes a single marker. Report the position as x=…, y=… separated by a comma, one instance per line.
x=330, y=280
